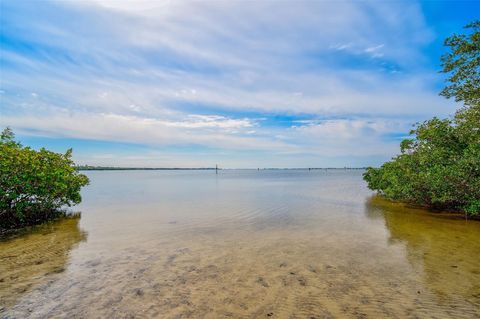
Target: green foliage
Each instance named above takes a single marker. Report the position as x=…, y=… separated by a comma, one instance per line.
x=440, y=166
x=35, y=185
x=463, y=65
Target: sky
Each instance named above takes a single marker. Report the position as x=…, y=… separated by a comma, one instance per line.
x=241, y=84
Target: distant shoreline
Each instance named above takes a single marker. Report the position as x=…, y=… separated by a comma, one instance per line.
x=106, y=168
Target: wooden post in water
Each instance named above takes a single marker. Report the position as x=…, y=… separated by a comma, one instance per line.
x=216, y=168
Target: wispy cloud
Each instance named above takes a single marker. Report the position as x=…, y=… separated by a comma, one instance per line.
x=375, y=51
x=233, y=76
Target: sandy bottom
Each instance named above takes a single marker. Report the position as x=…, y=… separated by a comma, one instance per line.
x=242, y=245
x=244, y=274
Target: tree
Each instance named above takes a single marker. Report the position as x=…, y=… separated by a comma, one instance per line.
x=462, y=64
x=440, y=166
x=35, y=185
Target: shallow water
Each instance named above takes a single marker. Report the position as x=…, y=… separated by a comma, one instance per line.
x=242, y=244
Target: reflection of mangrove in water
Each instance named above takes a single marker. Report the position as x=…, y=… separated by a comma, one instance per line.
x=33, y=258
x=443, y=249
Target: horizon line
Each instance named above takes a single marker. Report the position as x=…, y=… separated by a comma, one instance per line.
x=91, y=168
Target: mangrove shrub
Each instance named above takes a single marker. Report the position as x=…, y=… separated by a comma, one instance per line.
x=440, y=166
x=35, y=185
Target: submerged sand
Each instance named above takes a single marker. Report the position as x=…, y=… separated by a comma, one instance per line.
x=307, y=257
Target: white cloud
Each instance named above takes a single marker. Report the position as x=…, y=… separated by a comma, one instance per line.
x=212, y=131
x=375, y=51
x=169, y=72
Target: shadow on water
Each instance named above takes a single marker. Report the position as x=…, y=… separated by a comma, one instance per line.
x=442, y=248
x=32, y=258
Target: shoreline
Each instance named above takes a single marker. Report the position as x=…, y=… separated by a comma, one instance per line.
x=107, y=168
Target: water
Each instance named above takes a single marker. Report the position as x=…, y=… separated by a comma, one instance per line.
x=242, y=244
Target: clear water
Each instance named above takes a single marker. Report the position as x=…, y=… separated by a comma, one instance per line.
x=242, y=244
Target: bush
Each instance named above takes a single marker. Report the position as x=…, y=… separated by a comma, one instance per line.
x=440, y=166
x=35, y=185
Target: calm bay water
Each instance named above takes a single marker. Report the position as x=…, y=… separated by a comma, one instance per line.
x=242, y=244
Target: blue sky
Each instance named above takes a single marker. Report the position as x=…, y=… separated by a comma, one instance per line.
x=241, y=84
